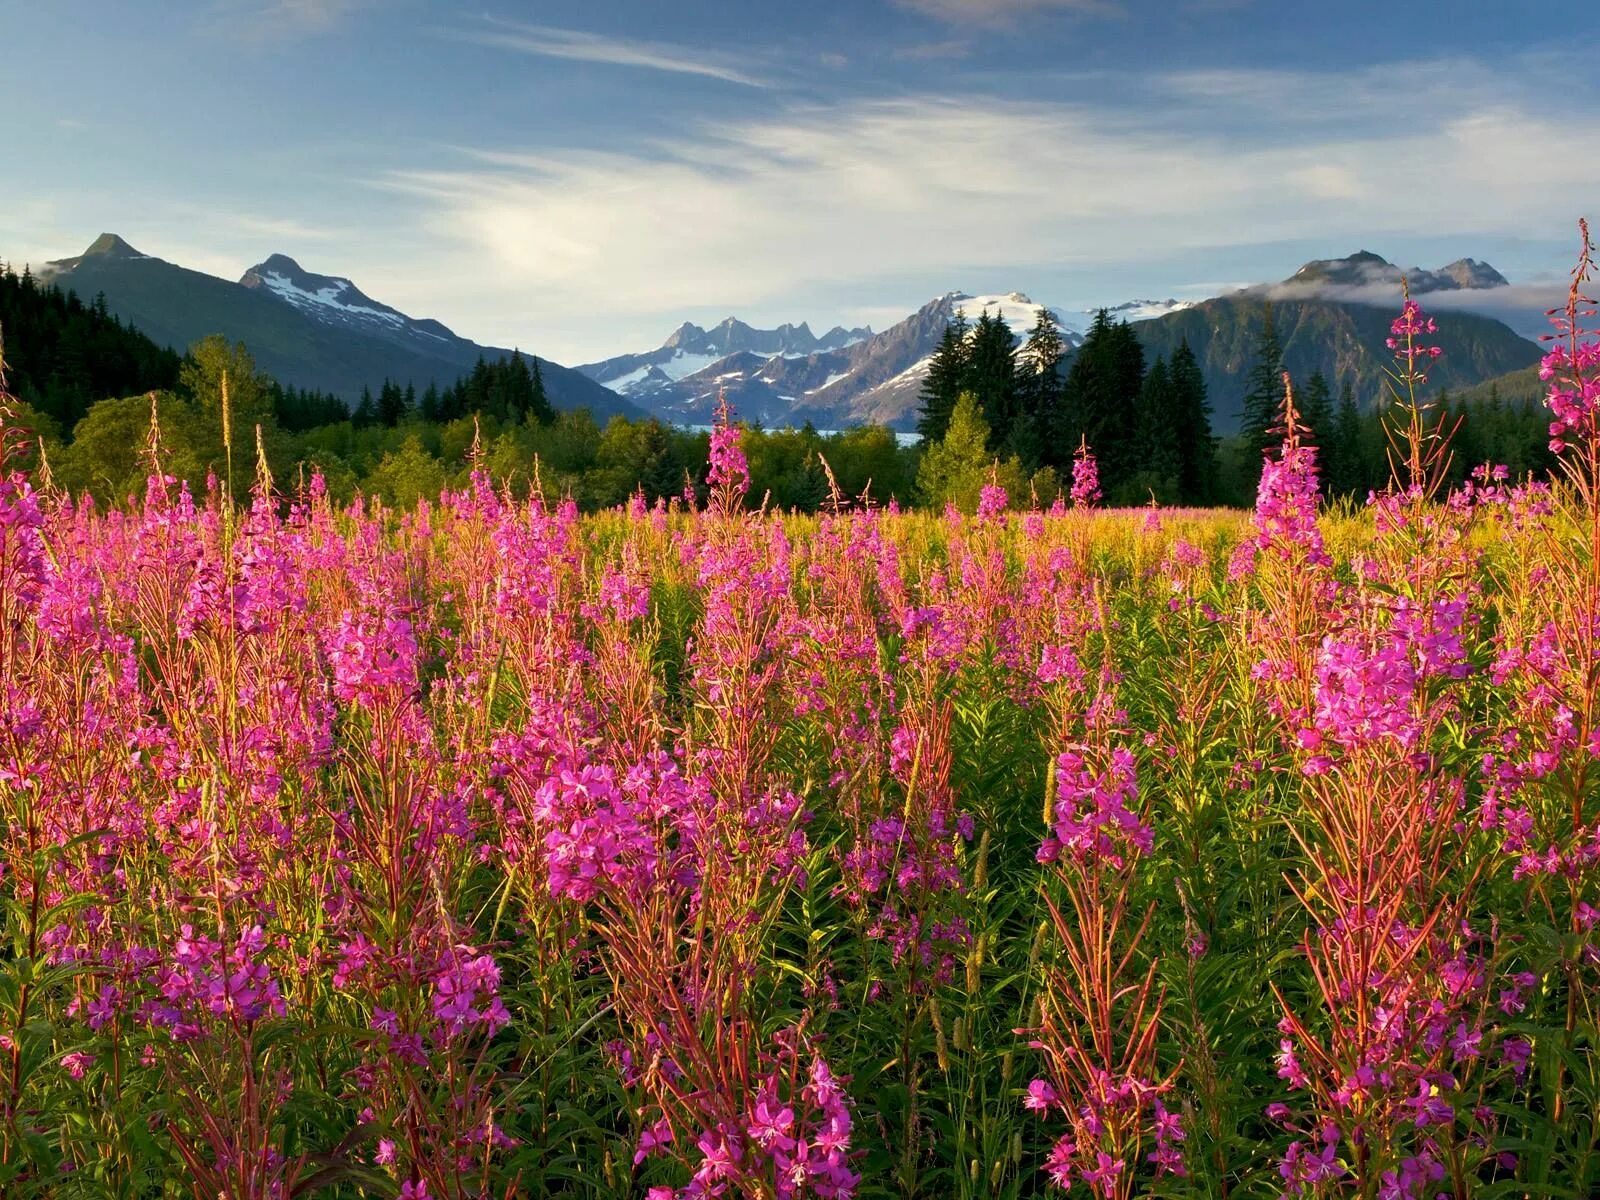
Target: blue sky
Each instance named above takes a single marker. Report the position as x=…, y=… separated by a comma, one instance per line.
x=578, y=178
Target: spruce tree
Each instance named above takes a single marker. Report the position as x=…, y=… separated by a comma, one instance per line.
x=1100, y=401
x=1263, y=393
x=942, y=385
x=1156, y=456
x=1038, y=391
x=991, y=376
x=391, y=404
x=517, y=386
x=1341, y=455
x=540, y=411
x=1316, y=407
x=1197, y=448
x=366, y=412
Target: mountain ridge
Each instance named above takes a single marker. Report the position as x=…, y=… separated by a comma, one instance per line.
x=862, y=377
x=304, y=329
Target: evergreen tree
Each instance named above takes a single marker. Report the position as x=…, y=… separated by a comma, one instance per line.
x=476, y=396
x=366, y=412
x=942, y=385
x=1341, y=454
x=391, y=404
x=1315, y=402
x=1118, y=443
x=518, y=387
x=991, y=376
x=430, y=407
x=1156, y=450
x=540, y=410
x=1263, y=391
x=1197, y=448
x=1038, y=390
x=1100, y=403
x=62, y=355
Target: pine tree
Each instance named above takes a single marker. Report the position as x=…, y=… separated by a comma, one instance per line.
x=366, y=413
x=1197, y=448
x=1263, y=393
x=1156, y=452
x=942, y=385
x=991, y=376
x=391, y=404
x=1100, y=402
x=1038, y=390
x=1118, y=441
x=1341, y=455
x=540, y=410
x=1316, y=407
x=516, y=387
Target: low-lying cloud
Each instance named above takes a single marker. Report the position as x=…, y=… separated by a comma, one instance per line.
x=1524, y=307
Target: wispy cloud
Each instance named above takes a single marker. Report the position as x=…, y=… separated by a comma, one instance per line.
x=997, y=12
x=834, y=198
x=550, y=42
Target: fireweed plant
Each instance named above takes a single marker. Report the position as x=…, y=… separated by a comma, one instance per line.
x=699, y=850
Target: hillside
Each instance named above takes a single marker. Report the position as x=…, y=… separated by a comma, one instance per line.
x=1345, y=341
x=1516, y=387
x=305, y=330
x=63, y=353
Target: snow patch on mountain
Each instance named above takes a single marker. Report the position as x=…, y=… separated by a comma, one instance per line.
x=325, y=297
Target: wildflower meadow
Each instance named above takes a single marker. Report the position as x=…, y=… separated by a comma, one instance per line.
x=484, y=849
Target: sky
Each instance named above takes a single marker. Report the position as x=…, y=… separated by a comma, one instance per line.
x=577, y=179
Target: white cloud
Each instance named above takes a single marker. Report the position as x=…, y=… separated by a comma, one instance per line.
x=834, y=199
x=576, y=45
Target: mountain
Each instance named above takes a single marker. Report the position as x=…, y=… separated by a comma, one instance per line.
x=847, y=377
x=1516, y=388
x=304, y=329
x=1366, y=269
x=1333, y=315
x=690, y=349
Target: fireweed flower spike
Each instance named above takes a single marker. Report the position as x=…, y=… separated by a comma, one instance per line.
x=1085, y=477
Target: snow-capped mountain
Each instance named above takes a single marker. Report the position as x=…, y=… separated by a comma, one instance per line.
x=334, y=300
x=691, y=349
x=847, y=376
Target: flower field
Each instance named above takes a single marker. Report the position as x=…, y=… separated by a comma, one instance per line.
x=483, y=849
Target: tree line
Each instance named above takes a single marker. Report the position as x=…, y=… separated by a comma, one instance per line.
x=1149, y=427
x=991, y=409
x=62, y=355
